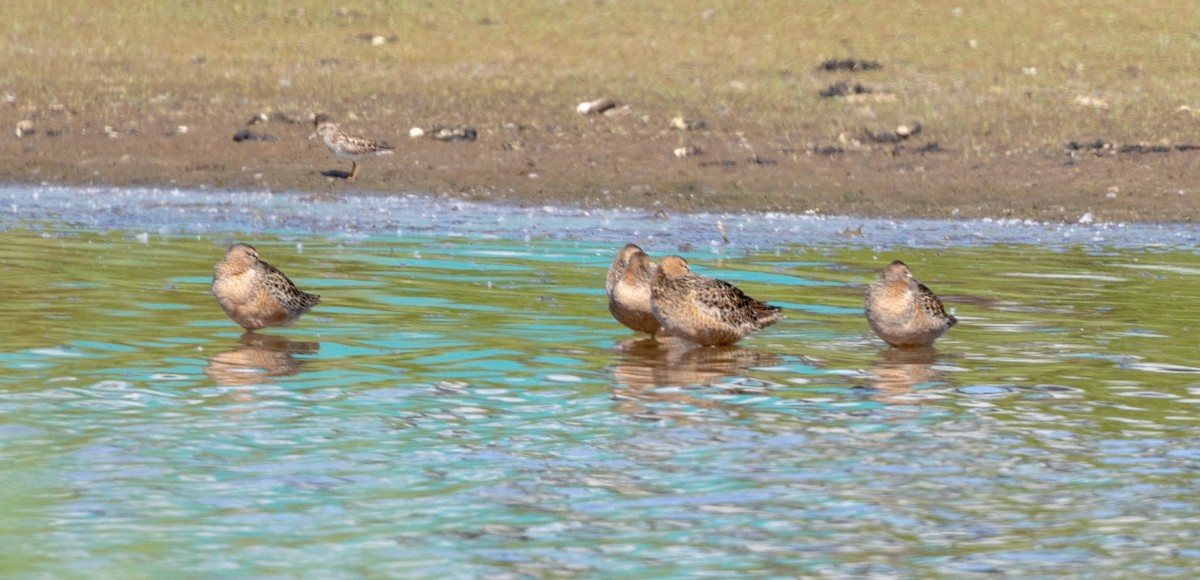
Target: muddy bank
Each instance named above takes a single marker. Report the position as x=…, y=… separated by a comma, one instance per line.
x=927, y=109
x=636, y=160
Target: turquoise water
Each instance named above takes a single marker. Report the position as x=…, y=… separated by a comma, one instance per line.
x=462, y=405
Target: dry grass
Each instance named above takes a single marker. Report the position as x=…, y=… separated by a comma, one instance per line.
x=966, y=71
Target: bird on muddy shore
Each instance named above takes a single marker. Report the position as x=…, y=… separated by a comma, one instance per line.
x=347, y=146
x=705, y=310
x=628, y=290
x=904, y=312
x=255, y=294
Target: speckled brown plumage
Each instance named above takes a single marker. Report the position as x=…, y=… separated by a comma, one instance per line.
x=347, y=146
x=904, y=312
x=628, y=289
x=255, y=294
x=705, y=310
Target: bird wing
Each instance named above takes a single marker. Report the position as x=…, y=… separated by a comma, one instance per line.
x=282, y=288
x=728, y=304
x=929, y=302
x=359, y=144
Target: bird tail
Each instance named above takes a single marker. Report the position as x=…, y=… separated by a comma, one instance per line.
x=767, y=315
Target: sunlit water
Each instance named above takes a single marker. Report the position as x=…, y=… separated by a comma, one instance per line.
x=462, y=405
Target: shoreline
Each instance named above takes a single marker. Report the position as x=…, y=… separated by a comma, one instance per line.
x=874, y=110
x=632, y=167
x=145, y=213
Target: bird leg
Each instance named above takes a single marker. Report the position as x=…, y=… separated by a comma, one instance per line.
x=354, y=172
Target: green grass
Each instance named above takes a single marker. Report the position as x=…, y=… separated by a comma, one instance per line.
x=961, y=69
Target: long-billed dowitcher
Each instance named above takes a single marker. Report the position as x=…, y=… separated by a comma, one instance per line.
x=628, y=289
x=255, y=294
x=347, y=146
x=904, y=312
x=705, y=310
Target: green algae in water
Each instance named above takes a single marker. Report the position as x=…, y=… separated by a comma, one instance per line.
x=462, y=407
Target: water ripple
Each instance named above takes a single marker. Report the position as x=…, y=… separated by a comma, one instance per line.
x=462, y=405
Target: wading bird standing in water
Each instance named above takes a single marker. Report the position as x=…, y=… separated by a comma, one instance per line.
x=628, y=289
x=904, y=312
x=255, y=294
x=705, y=310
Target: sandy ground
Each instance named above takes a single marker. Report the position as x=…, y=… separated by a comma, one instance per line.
x=609, y=161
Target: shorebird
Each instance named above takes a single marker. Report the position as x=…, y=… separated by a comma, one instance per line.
x=904, y=312
x=255, y=294
x=705, y=310
x=347, y=146
x=628, y=289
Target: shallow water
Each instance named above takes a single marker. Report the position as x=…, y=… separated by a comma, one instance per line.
x=462, y=405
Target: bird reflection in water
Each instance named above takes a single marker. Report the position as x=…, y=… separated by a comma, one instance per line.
x=257, y=359
x=655, y=371
x=901, y=370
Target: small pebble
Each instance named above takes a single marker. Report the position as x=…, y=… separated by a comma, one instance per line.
x=686, y=151
x=24, y=128
x=595, y=107
x=681, y=124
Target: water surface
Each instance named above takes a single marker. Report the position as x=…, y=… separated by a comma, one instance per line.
x=462, y=405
